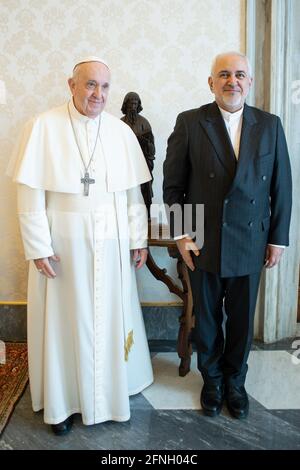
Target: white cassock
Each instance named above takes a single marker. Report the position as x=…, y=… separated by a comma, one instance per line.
x=81, y=322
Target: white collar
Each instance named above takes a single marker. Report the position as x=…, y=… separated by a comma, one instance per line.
x=231, y=117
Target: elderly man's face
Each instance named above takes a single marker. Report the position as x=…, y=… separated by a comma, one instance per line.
x=90, y=88
x=230, y=82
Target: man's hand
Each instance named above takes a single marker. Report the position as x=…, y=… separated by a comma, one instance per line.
x=273, y=255
x=185, y=245
x=44, y=267
x=139, y=257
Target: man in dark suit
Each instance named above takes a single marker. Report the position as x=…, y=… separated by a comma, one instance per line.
x=232, y=158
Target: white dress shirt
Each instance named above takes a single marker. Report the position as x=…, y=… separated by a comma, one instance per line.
x=233, y=123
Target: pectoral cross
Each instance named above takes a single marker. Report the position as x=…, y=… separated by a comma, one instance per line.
x=87, y=181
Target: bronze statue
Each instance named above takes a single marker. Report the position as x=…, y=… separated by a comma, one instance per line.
x=131, y=107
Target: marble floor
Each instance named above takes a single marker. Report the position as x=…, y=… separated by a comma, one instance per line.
x=168, y=416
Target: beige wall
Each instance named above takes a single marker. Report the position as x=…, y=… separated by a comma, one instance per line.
x=161, y=48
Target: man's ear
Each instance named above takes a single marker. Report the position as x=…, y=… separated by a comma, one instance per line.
x=210, y=83
x=71, y=84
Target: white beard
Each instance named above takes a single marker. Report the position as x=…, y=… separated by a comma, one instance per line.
x=234, y=100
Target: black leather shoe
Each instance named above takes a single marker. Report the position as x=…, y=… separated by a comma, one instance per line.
x=64, y=427
x=212, y=397
x=237, y=401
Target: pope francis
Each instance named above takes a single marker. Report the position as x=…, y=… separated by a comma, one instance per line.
x=84, y=230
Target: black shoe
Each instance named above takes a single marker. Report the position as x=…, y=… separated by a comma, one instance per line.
x=211, y=399
x=64, y=427
x=237, y=401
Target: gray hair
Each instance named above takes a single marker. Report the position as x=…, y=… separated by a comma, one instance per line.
x=76, y=69
x=76, y=72
x=224, y=54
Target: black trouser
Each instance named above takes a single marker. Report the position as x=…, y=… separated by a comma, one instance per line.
x=223, y=359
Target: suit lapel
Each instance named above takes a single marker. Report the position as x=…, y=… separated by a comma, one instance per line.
x=216, y=131
x=247, y=143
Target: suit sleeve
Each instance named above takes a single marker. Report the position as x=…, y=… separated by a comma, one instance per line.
x=176, y=171
x=34, y=223
x=281, y=192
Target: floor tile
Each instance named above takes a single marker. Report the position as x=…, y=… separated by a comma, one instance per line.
x=274, y=380
x=169, y=391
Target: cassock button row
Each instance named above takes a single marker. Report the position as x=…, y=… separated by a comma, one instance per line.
x=264, y=177
x=253, y=201
x=250, y=224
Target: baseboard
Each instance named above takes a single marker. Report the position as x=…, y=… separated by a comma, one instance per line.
x=161, y=321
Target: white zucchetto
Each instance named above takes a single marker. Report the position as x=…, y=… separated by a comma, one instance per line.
x=91, y=58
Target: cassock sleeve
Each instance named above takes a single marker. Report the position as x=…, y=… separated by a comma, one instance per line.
x=138, y=218
x=34, y=223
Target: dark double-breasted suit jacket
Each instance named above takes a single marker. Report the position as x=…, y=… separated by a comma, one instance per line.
x=247, y=202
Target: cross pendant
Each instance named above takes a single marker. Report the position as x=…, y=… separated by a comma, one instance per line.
x=87, y=181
